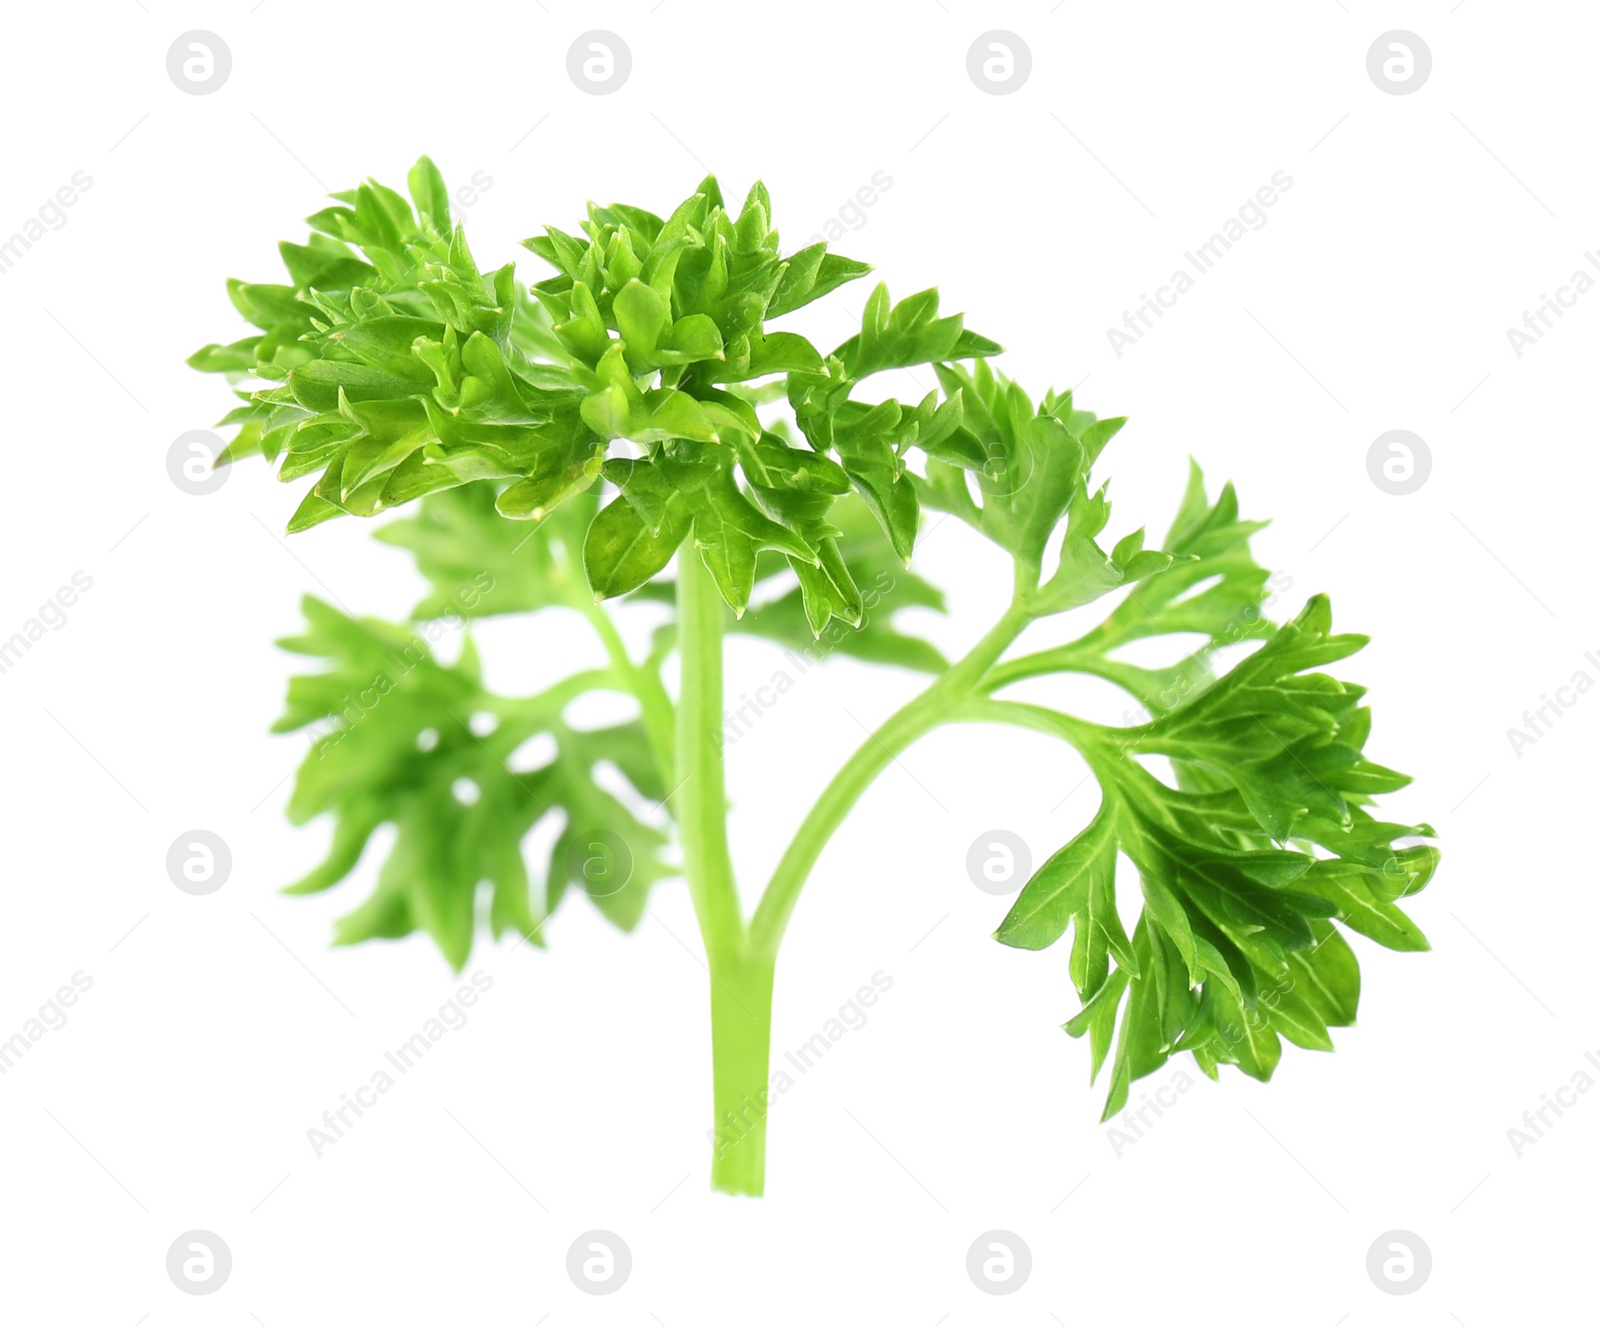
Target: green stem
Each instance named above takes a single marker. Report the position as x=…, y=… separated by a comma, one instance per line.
x=701, y=798
x=1069, y=658
x=644, y=682
x=1101, y=747
x=934, y=706
x=741, y=1035
x=741, y=984
x=534, y=712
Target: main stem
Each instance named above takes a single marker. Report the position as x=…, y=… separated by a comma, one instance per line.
x=741, y=982
x=742, y=962
x=741, y=1043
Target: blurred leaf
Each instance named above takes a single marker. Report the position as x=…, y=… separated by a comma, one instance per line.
x=401, y=740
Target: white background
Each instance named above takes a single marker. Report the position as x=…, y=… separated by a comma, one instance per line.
x=218, y=1029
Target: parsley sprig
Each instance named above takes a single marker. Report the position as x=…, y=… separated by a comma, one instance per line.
x=632, y=427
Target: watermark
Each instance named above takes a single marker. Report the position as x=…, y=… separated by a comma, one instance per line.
x=599, y=62
x=851, y=1017
x=199, y=862
x=199, y=1262
x=1399, y=1262
x=999, y=1262
x=52, y=616
x=751, y=709
x=1399, y=462
x=1203, y=259
x=1542, y=317
x=1256, y=1016
x=199, y=62
x=1197, y=672
x=48, y=216
x=603, y=860
x=52, y=1017
x=999, y=62
x=599, y=1261
x=329, y=732
x=852, y=213
x=192, y=462
x=1399, y=62
x=1537, y=1122
x=468, y=193
x=1540, y=721
x=998, y=862
x=339, y=1120
x=1135, y=1122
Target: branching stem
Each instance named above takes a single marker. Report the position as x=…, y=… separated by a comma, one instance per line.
x=644, y=682
x=936, y=705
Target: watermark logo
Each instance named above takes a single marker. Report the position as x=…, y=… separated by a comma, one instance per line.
x=999, y=862
x=601, y=859
x=1399, y=462
x=999, y=1262
x=999, y=62
x=599, y=1262
x=199, y=862
x=199, y=62
x=199, y=1262
x=1399, y=1262
x=1399, y=62
x=192, y=462
x=599, y=62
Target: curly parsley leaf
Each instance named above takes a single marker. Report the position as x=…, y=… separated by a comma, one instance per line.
x=401, y=370
x=1242, y=876
x=405, y=740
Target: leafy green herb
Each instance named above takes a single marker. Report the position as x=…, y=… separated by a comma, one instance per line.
x=632, y=427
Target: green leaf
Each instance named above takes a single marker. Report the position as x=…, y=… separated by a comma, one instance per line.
x=1236, y=949
x=877, y=579
x=621, y=552
x=479, y=563
x=729, y=532
x=642, y=317
x=811, y=274
x=1362, y=908
x=396, y=743
x=1062, y=889
x=908, y=334
x=430, y=195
